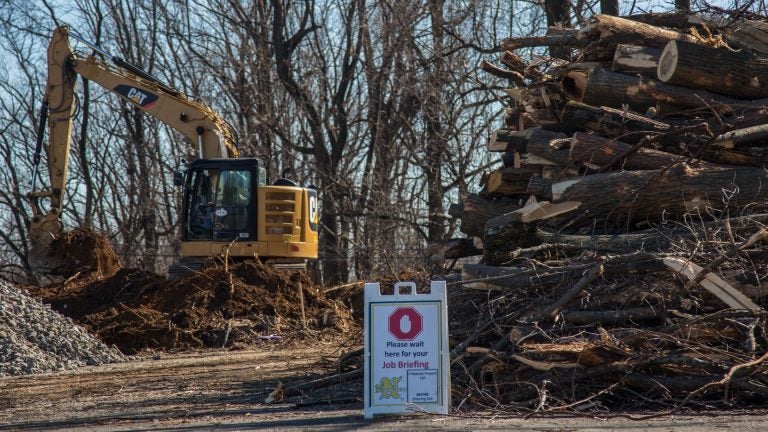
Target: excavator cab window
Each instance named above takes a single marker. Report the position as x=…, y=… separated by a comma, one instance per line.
x=221, y=205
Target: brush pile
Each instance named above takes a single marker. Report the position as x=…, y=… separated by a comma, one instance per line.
x=624, y=240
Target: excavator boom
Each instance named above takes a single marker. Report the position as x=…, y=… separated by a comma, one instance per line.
x=243, y=215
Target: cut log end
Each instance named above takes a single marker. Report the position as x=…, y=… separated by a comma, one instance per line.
x=574, y=84
x=667, y=62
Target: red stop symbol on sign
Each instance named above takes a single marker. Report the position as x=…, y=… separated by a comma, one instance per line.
x=405, y=323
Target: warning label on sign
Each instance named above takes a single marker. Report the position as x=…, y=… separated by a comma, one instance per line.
x=405, y=323
x=423, y=386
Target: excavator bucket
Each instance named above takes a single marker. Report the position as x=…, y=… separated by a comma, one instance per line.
x=72, y=252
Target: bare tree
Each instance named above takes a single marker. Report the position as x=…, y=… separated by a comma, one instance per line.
x=609, y=7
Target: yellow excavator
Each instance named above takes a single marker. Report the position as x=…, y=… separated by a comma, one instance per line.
x=228, y=205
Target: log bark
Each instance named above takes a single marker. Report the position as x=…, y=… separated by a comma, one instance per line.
x=517, y=64
x=682, y=97
x=537, y=138
x=609, y=31
x=494, y=278
x=658, y=239
x=628, y=197
x=606, y=88
x=635, y=59
x=569, y=39
x=544, y=144
x=741, y=136
x=747, y=35
x=513, y=76
x=540, y=187
x=738, y=74
x=648, y=240
x=742, y=156
x=599, y=152
x=453, y=248
x=611, y=122
x=680, y=20
x=516, y=229
x=475, y=210
x=616, y=30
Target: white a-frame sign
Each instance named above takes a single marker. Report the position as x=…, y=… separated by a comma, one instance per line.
x=407, y=359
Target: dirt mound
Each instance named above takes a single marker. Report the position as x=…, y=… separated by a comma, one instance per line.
x=214, y=307
x=80, y=250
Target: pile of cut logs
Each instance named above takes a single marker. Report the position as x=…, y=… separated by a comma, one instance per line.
x=624, y=238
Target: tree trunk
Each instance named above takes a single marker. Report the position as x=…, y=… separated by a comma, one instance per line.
x=609, y=7
x=606, y=88
x=454, y=248
x=682, y=5
x=614, y=30
x=558, y=14
x=682, y=21
x=748, y=35
x=741, y=156
x=517, y=64
x=514, y=77
x=475, y=210
x=651, y=240
x=536, y=138
x=485, y=277
x=628, y=197
x=434, y=104
x=569, y=39
x=737, y=74
x=742, y=136
x=634, y=59
x=681, y=97
x=540, y=187
x=598, y=151
x=611, y=122
x=546, y=145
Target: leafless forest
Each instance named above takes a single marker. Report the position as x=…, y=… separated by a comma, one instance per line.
x=381, y=104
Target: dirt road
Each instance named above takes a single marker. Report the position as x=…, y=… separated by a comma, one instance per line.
x=225, y=391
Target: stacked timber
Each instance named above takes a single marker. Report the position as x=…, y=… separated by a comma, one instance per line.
x=660, y=117
x=623, y=231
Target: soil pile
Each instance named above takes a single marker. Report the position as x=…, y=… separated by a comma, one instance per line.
x=215, y=307
x=36, y=339
x=79, y=251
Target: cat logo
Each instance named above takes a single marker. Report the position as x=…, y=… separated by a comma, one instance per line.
x=314, y=215
x=388, y=388
x=138, y=96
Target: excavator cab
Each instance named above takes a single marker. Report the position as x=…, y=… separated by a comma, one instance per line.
x=220, y=200
x=230, y=209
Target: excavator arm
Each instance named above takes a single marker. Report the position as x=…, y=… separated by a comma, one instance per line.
x=203, y=127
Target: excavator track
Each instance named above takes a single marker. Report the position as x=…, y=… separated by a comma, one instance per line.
x=286, y=264
x=187, y=265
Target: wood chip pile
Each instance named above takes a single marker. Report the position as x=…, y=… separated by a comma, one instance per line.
x=624, y=238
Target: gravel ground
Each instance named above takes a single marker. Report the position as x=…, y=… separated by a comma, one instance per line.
x=35, y=339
